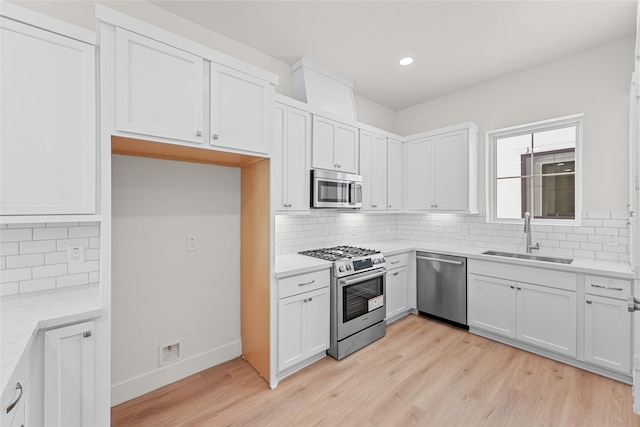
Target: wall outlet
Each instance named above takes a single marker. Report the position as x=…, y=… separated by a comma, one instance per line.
x=169, y=353
x=192, y=244
x=75, y=254
x=612, y=239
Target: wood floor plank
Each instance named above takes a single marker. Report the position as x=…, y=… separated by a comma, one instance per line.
x=422, y=373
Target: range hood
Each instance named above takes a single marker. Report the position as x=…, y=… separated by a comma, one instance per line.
x=322, y=88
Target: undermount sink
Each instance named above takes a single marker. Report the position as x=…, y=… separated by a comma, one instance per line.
x=530, y=257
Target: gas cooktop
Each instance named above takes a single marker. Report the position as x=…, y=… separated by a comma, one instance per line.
x=338, y=253
x=348, y=260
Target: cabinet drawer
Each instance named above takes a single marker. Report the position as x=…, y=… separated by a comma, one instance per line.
x=607, y=286
x=303, y=283
x=396, y=261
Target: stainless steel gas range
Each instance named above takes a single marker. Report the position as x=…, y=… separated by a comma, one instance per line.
x=357, y=297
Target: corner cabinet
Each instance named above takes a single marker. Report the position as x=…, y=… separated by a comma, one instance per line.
x=292, y=149
x=159, y=89
x=607, y=323
x=335, y=145
x=303, y=318
x=441, y=170
x=394, y=174
x=48, y=116
x=69, y=375
x=373, y=168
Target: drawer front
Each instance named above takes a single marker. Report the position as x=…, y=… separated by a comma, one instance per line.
x=303, y=283
x=396, y=261
x=607, y=286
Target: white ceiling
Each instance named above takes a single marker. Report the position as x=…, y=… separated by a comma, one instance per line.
x=456, y=44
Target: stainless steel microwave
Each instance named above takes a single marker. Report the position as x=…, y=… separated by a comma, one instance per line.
x=331, y=189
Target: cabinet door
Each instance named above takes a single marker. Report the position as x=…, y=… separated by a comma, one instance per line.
x=317, y=320
x=48, y=116
x=492, y=305
x=451, y=171
x=396, y=292
x=159, y=89
x=418, y=160
x=240, y=110
x=547, y=318
x=297, y=159
x=607, y=329
x=394, y=174
x=346, y=148
x=373, y=168
x=291, y=331
x=69, y=375
x=322, y=143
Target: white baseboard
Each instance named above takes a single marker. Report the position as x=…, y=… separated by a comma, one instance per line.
x=137, y=386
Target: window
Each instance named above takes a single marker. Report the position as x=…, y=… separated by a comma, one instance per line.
x=536, y=168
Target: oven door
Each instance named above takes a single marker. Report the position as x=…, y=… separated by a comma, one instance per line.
x=361, y=302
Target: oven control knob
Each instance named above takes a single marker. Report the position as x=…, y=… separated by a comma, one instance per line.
x=349, y=267
x=341, y=268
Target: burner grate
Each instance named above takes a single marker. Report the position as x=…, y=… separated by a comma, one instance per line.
x=337, y=253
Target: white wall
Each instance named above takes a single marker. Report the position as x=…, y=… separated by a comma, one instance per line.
x=595, y=82
x=160, y=291
x=374, y=114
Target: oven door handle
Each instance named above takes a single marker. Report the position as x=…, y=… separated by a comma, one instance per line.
x=363, y=278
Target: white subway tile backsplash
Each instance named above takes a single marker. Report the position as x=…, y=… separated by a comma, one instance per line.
x=33, y=257
x=37, y=285
x=37, y=246
x=15, y=234
x=30, y=260
x=53, y=233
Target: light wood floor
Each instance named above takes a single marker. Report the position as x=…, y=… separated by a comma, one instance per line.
x=422, y=373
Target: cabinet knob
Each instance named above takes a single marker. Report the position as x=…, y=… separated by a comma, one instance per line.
x=389, y=205
x=518, y=288
x=512, y=287
x=86, y=334
x=214, y=136
x=199, y=133
x=589, y=301
x=374, y=206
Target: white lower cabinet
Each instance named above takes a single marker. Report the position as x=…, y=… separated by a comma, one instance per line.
x=607, y=323
x=546, y=317
x=541, y=314
x=303, y=318
x=15, y=398
x=396, y=290
x=69, y=375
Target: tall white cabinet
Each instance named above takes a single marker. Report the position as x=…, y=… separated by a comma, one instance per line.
x=292, y=159
x=48, y=116
x=373, y=168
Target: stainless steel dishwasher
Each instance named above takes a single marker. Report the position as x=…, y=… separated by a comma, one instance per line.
x=442, y=287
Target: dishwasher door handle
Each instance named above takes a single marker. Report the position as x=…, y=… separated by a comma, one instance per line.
x=445, y=261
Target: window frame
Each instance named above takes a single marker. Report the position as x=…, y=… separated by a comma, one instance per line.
x=541, y=126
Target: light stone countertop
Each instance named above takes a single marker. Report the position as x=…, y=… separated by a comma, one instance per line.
x=23, y=315
x=292, y=264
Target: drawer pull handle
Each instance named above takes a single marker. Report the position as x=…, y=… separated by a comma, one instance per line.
x=512, y=287
x=588, y=301
x=395, y=274
x=307, y=284
x=606, y=287
x=395, y=262
x=13, y=405
x=86, y=334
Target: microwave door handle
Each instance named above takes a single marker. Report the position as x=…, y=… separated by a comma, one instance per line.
x=352, y=193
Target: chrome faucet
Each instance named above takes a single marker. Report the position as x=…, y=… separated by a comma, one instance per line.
x=527, y=229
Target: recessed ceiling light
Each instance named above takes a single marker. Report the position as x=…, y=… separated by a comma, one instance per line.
x=406, y=60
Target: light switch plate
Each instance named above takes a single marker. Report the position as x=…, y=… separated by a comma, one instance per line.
x=192, y=244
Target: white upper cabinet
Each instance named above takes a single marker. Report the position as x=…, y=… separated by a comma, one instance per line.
x=373, y=168
x=240, y=110
x=335, y=145
x=48, y=116
x=441, y=171
x=292, y=148
x=394, y=174
x=159, y=89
